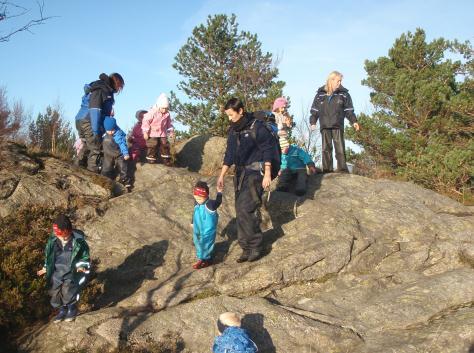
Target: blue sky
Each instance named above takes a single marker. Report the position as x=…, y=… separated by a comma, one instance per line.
x=140, y=39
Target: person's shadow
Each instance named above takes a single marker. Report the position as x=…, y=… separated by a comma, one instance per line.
x=229, y=234
x=253, y=323
x=121, y=282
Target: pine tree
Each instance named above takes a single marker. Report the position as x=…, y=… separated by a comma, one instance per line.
x=217, y=63
x=422, y=127
x=51, y=133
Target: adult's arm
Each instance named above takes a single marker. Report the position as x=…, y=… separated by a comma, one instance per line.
x=349, y=109
x=314, y=117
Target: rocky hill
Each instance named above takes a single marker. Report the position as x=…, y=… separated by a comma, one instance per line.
x=358, y=265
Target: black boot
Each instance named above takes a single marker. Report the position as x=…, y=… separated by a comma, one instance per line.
x=243, y=257
x=254, y=255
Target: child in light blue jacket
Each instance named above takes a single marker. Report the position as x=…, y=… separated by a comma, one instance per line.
x=204, y=223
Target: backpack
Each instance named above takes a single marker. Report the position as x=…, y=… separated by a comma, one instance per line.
x=267, y=119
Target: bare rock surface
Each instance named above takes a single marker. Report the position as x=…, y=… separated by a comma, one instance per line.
x=358, y=265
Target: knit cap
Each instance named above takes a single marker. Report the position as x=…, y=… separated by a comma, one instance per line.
x=279, y=103
x=162, y=101
x=110, y=124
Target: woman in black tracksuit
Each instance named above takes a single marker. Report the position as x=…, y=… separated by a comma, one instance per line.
x=331, y=105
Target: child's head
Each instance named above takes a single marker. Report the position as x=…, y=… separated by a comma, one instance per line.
x=110, y=125
x=62, y=227
x=139, y=114
x=226, y=320
x=201, y=192
x=162, y=103
x=280, y=104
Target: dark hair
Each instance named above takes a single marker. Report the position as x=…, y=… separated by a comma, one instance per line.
x=235, y=104
x=203, y=185
x=117, y=81
x=221, y=327
x=63, y=222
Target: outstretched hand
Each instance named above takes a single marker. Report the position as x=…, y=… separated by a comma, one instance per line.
x=41, y=272
x=356, y=126
x=267, y=180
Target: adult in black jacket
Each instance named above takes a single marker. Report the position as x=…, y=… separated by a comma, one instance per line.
x=331, y=105
x=252, y=156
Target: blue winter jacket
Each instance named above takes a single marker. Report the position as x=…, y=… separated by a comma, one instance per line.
x=119, y=147
x=234, y=340
x=295, y=159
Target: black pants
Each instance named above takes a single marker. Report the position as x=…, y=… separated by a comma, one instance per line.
x=248, y=199
x=288, y=177
x=92, y=142
x=328, y=136
x=108, y=168
x=161, y=144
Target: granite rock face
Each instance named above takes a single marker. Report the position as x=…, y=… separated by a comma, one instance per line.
x=357, y=265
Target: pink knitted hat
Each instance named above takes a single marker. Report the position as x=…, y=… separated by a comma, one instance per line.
x=279, y=103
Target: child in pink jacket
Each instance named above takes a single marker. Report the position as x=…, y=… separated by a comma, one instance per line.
x=156, y=127
x=138, y=148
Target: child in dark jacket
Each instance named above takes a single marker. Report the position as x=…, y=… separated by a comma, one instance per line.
x=232, y=338
x=293, y=166
x=66, y=267
x=115, y=152
x=137, y=140
x=204, y=223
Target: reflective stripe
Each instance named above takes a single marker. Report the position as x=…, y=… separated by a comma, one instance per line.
x=210, y=210
x=314, y=109
x=348, y=109
x=81, y=281
x=83, y=263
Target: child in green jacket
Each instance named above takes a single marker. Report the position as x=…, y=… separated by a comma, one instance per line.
x=66, y=266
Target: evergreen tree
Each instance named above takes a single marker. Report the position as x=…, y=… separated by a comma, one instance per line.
x=51, y=133
x=422, y=127
x=219, y=62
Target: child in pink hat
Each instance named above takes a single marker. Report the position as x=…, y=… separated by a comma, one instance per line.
x=283, y=121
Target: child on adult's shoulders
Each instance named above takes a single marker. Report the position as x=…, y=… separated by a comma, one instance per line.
x=204, y=222
x=66, y=267
x=294, y=161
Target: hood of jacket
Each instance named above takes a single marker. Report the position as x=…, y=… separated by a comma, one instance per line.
x=341, y=89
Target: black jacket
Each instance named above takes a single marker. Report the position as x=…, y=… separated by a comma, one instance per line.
x=249, y=150
x=331, y=110
x=102, y=95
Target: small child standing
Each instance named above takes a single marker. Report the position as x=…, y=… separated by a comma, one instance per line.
x=66, y=266
x=293, y=166
x=115, y=149
x=157, y=126
x=283, y=121
x=232, y=337
x=204, y=223
x=137, y=140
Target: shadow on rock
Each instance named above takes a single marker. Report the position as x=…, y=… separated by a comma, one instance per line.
x=253, y=323
x=191, y=156
x=221, y=248
x=121, y=282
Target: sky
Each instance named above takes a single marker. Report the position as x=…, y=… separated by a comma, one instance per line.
x=140, y=40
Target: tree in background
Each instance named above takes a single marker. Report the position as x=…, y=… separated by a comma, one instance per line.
x=422, y=127
x=52, y=134
x=12, y=119
x=217, y=63
x=309, y=140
